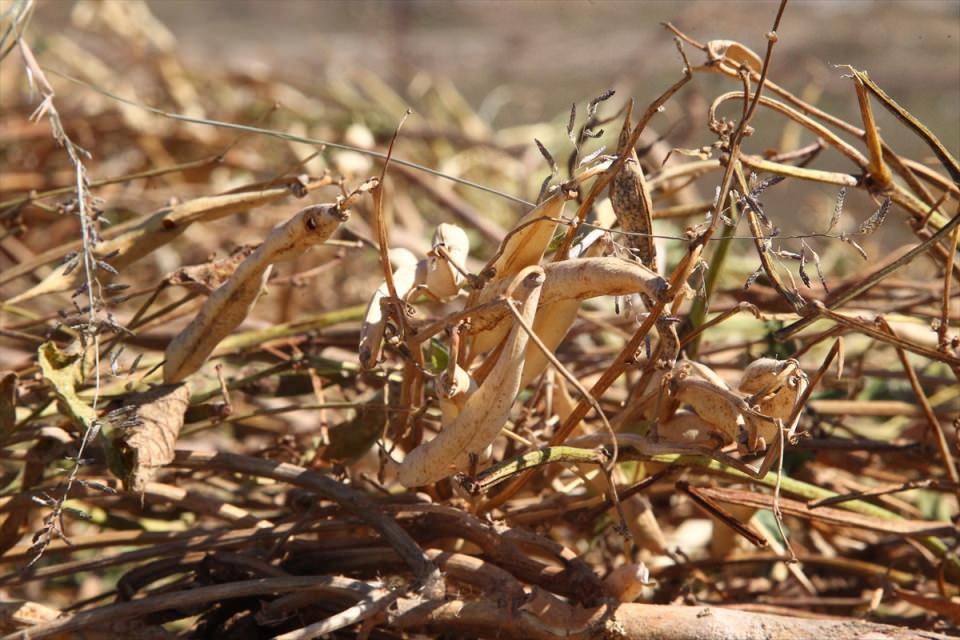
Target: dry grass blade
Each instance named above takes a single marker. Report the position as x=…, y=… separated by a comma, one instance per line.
x=912, y=528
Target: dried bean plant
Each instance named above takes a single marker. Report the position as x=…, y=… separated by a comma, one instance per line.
x=639, y=398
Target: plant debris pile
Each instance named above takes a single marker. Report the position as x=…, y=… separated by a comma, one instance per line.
x=288, y=362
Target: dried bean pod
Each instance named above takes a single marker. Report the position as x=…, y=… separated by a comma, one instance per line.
x=626, y=582
x=686, y=427
x=579, y=279
x=733, y=50
x=554, y=320
x=155, y=231
x=230, y=303
x=524, y=246
x=632, y=203
x=783, y=381
x=719, y=407
x=453, y=392
x=442, y=278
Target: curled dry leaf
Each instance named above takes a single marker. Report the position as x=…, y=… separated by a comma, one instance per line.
x=487, y=409
x=146, y=441
x=227, y=307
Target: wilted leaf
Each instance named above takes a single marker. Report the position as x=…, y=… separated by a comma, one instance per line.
x=151, y=423
x=63, y=372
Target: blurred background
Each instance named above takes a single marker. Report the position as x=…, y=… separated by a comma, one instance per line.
x=527, y=61
x=483, y=80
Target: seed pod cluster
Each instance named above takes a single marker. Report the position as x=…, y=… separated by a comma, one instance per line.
x=438, y=275
x=486, y=410
x=701, y=409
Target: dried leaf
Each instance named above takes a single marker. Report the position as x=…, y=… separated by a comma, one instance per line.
x=63, y=372
x=146, y=438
